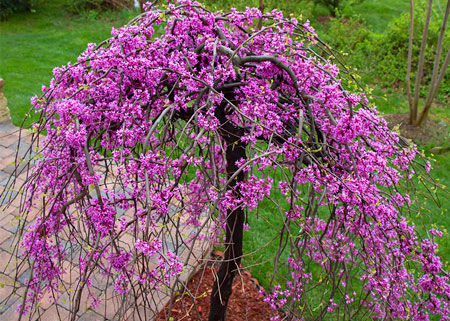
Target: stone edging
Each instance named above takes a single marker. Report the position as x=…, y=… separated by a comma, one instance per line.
x=4, y=111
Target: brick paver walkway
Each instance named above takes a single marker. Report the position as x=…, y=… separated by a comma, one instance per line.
x=112, y=304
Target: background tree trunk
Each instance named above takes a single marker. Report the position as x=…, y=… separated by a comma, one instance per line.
x=419, y=74
x=437, y=75
x=412, y=113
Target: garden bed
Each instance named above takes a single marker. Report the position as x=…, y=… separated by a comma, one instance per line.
x=246, y=302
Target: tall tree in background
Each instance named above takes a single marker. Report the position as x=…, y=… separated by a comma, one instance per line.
x=439, y=68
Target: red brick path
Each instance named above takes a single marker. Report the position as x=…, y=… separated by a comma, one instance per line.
x=49, y=311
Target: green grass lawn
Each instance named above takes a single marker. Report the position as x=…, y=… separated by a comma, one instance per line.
x=32, y=44
x=378, y=13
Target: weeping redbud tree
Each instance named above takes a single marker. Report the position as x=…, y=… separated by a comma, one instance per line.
x=211, y=113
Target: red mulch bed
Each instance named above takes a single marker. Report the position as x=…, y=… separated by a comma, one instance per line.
x=245, y=303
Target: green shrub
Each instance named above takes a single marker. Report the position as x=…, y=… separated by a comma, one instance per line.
x=335, y=7
x=7, y=7
x=346, y=34
x=352, y=39
x=294, y=7
x=392, y=48
x=331, y=5
x=82, y=6
x=382, y=57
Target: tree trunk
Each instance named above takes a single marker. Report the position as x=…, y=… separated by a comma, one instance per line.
x=235, y=150
x=419, y=74
x=222, y=288
x=437, y=76
x=261, y=8
x=412, y=111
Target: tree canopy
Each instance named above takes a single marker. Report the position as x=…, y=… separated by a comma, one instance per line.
x=216, y=112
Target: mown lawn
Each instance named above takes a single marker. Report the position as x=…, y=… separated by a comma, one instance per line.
x=32, y=44
x=378, y=13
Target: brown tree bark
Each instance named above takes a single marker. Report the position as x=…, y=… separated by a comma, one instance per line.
x=235, y=151
x=419, y=74
x=222, y=288
x=437, y=75
x=412, y=112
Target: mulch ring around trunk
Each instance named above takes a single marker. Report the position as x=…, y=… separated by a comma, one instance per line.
x=246, y=301
x=431, y=131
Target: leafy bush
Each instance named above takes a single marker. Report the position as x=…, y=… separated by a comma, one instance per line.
x=347, y=34
x=79, y=6
x=382, y=57
x=9, y=6
x=332, y=5
x=352, y=39
x=336, y=6
x=391, y=50
x=295, y=7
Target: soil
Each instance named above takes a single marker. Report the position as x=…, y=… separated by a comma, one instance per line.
x=246, y=303
x=324, y=19
x=431, y=131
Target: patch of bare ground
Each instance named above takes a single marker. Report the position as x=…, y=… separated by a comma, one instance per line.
x=246, y=302
x=431, y=131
